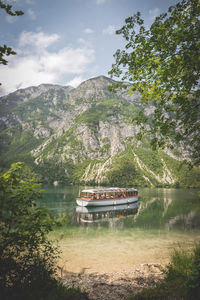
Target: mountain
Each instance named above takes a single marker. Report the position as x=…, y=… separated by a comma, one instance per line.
x=85, y=135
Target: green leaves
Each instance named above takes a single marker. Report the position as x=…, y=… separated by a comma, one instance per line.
x=163, y=64
x=8, y=9
x=5, y=51
x=25, y=250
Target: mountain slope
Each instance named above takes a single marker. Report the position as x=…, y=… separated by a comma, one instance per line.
x=84, y=135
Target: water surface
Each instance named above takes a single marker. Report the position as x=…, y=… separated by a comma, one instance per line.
x=111, y=239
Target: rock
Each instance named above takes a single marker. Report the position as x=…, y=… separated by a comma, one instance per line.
x=114, y=286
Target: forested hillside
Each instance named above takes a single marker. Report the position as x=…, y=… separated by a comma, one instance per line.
x=86, y=135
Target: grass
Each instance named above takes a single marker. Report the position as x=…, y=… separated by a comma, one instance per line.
x=181, y=281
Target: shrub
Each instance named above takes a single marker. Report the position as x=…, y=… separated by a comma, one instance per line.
x=181, y=281
x=27, y=256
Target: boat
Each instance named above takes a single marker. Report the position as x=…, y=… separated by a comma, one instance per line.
x=109, y=213
x=107, y=196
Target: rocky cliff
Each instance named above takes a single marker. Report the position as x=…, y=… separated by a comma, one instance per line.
x=84, y=135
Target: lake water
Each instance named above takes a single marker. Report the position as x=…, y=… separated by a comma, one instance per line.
x=111, y=239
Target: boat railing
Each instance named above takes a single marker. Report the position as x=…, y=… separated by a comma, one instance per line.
x=102, y=197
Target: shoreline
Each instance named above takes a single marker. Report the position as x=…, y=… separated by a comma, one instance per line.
x=113, y=285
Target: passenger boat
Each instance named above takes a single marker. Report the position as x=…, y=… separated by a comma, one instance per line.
x=107, y=196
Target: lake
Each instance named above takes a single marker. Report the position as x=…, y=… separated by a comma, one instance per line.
x=111, y=239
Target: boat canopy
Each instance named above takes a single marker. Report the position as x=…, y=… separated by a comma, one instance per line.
x=108, y=190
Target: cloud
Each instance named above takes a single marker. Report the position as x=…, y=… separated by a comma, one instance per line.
x=36, y=40
x=75, y=81
x=31, y=14
x=110, y=30
x=35, y=63
x=88, y=30
x=154, y=13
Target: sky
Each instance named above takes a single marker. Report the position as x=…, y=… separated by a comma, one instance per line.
x=66, y=42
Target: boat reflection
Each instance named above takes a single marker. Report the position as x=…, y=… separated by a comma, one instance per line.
x=105, y=213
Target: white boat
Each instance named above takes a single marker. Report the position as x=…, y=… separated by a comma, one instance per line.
x=107, y=196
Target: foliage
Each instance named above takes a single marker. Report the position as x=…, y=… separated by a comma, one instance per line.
x=5, y=50
x=181, y=281
x=106, y=109
x=15, y=145
x=186, y=176
x=49, y=172
x=8, y=9
x=163, y=64
x=125, y=172
x=27, y=256
x=151, y=159
x=25, y=251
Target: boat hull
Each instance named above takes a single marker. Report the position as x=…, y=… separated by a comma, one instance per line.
x=105, y=202
x=108, y=208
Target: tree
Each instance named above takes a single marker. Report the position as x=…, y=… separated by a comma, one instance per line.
x=27, y=257
x=5, y=50
x=163, y=64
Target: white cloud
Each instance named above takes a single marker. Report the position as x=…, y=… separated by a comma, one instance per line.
x=31, y=14
x=110, y=30
x=88, y=30
x=75, y=81
x=154, y=13
x=36, y=40
x=35, y=63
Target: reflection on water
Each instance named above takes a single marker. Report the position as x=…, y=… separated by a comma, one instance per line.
x=105, y=213
x=166, y=209
x=111, y=239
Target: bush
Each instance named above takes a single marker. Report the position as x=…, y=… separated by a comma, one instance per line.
x=27, y=256
x=181, y=281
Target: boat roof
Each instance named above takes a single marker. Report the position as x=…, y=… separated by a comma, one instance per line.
x=108, y=190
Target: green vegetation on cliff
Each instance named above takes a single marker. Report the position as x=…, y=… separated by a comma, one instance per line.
x=85, y=135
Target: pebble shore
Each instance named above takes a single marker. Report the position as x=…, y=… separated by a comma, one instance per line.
x=114, y=286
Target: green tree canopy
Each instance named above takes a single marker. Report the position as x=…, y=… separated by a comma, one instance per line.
x=163, y=64
x=27, y=257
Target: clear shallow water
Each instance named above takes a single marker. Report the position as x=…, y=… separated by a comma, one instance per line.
x=114, y=238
